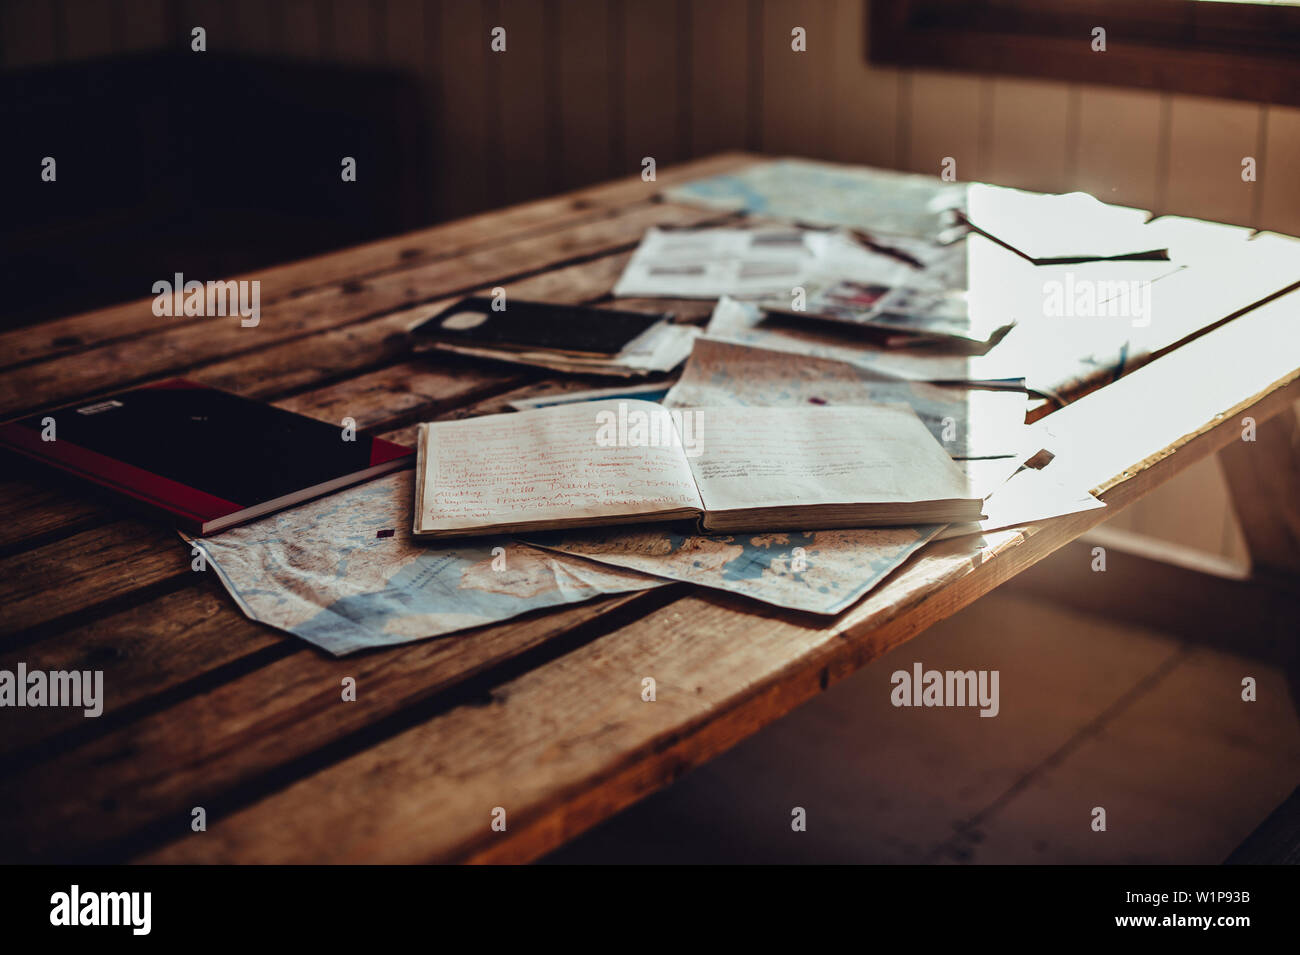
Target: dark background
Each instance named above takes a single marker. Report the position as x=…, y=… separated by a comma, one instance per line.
x=221, y=162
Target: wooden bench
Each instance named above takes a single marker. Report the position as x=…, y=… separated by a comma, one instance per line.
x=541, y=716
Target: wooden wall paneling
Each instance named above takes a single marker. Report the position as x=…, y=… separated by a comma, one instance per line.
x=796, y=91
x=656, y=61
x=257, y=26
x=460, y=137
x=402, y=29
x=143, y=25
x=720, y=69
x=1028, y=135
x=88, y=29
x=947, y=112
x=588, y=76
x=217, y=19
x=1279, y=172
x=355, y=31
x=1117, y=153
x=303, y=36
x=864, y=122
x=29, y=32
x=403, y=34
x=1208, y=139
x=523, y=170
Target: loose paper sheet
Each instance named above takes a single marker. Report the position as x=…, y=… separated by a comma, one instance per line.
x=1029, y=496
x=1073, y=226
x=708, y=263
x=344, y=573
x=968, y=423
x=745, y=323
x=816, y=571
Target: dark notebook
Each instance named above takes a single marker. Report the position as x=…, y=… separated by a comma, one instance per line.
x=571, y=329
x=209, y=458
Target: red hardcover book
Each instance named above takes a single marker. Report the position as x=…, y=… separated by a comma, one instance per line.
x=209, y=458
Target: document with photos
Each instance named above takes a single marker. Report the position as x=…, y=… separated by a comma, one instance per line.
x=763, y=261
x=1067, y=228
x=733, y=468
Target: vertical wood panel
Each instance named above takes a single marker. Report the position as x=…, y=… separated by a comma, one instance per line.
x=27, y=32
x=463, y=107
x=521, y=74
x=864, y=123
x=355, y=32
x=797, y=86
x=87, y=28
x=302, y=28
x=947, y=110
x=720, y=54
x=586, y=77
x=653, y=76
x=142, y=25
x=1119, y=146
x=403, y=31
x=1279, y=172
x=252, y=26
x=404, y=38
x=1028, y=136
x=1208, y=139
x=216, y=18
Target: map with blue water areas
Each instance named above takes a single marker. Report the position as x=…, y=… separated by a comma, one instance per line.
x=826, y=194
x=817, y=571
x=344, y=572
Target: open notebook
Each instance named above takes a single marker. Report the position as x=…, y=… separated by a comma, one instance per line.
x=624, y=461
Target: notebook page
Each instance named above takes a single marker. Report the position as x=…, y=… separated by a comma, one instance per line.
x=567, y=463
x=789, y=457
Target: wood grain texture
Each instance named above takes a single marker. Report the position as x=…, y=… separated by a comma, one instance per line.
x=718, y=679
x=250, y=726
x=181, y=348
x=149, y=773
x=442, y=243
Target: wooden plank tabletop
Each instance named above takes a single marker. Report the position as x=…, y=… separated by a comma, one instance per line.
x=541, y=716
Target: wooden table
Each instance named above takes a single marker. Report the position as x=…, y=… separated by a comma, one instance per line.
x=541, y=716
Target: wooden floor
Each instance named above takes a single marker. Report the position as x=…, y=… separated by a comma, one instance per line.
x=541, y=716
x=1128, y=718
